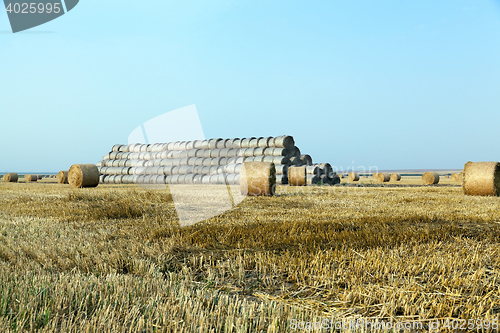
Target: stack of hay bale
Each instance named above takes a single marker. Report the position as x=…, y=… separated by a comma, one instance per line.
x=214, y=161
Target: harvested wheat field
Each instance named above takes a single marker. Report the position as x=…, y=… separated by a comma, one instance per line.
x=113, y=259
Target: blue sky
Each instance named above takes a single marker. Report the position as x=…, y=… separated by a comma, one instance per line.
x=392, y=84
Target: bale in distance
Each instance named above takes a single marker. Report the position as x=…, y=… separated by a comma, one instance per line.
x=395, y=177
x=297, y=176
x=11, y=177
x=353, y=177
x=62, y=177
x=83, y=175
x=257, y=179
x=454, y=177
x=383, y=177
x=31, y=178
x=430, y=178
x=482, y=178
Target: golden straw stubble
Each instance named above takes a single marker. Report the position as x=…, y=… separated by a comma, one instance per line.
x=297, y=176
x=83, y=175
x=258, y=179
x=62, y=177
x=430, y=178
x=481, y=178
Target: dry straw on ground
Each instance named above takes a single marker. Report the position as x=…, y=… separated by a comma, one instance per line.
x=395, y=177
x=353, y=177
x=257, y=179
x=383, y=177
x=430, y=178
x=62, y=177
x=31, y=178
x=11, y=177
x=83, y=175
x=482, y=178
x=297, y=176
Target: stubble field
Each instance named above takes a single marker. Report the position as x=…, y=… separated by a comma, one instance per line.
x=113, y=259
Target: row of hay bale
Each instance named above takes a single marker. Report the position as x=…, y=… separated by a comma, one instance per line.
x=12, y=177
x=284, y=141
x=200, y=161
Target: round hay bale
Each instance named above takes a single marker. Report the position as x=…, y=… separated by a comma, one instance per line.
x=221, y=144
x=326, y=168
x=454, y=177
x=264, y=142
x=62, y=177
x=183, y=145
x=383, y=177
x=189, y=145
x=116, y=148
x=281, y=169
x=245, y=143
x=212, y=143
x=40, y=177
x=207, y=153
x=375, y=176
x=254, y=143
x=481, y=178
x=201, y=144
x=294, y=151
x=284, y=141
x=297, y=175
x=216, y=161
x=340, y=175
x=281, y=160
x=257, y=179
x=83, y=175
x=295, y=161
x=313, y=170
x=192, y=152
x=353, y=177
x=335, y=180
x=11, y=177
x=234, y=144
x=395, y=177
x=312, y=179
x=224, y=152
x=259, y=151
x=306, y=159
x=206, y=170
x=430, y=178
x=215, y=153
x=31, y=178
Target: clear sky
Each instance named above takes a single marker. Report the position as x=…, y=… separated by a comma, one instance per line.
x=393, y=84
